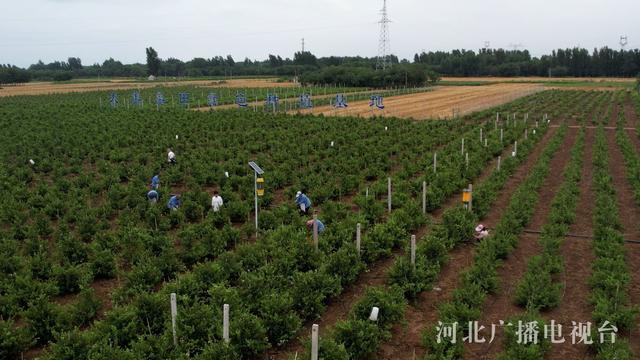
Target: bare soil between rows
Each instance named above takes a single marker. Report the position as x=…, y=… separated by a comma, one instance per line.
x=500, y=306
x=423, y=312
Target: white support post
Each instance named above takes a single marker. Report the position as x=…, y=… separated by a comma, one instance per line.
x=315, y=231
x=358, y=237
x=367, y=193
x=515, y=148
x=462, y=149
x=499, y=162
x=435, y=162
x=174, y=314
x=526, y=134
x=255, y=195
x=480, y=135
x=225, y=323
x=496, y=122
x=315, y=329
x=486, y=143
x=501, y=134
x=466, y=160
x=389, y=194
x=424, y=197
x=413, y=250
x=471, y=192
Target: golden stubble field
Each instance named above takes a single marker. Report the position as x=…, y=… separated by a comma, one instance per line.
x=43, y=88
x=441, y=103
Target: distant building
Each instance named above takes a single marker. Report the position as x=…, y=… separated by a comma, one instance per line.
x=152, y=78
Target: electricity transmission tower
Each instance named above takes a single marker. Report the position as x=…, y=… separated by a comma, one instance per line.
x=623, y=41
x=384, y=43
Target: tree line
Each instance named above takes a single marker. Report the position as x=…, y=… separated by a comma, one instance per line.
x=356, y=70
x=561, y=62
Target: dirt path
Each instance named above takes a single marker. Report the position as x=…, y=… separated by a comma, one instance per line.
x=501, y=306
x=630, y=219
x=407, y=339
x=578, y=257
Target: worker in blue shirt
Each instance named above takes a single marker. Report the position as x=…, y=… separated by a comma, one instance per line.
x=155, y=182
x=174, y=202
x=320, y=225
x=153, y=196
x=303, y=202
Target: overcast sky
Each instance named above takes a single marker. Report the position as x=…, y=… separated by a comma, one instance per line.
x=98, y=29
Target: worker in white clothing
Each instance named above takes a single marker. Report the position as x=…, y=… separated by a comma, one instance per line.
x=216, y=201
x=481, y=232
x=171, y=156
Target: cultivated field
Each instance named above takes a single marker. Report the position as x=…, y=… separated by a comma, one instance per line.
x=443, y=102
x=40, y=88
x=89, y=265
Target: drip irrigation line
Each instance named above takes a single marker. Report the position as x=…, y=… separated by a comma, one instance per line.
x=580, y=236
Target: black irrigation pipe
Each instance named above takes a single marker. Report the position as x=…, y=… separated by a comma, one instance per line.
x=537, y=232
x=580, y=236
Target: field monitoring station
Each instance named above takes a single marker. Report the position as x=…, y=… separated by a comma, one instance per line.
x=325, y=198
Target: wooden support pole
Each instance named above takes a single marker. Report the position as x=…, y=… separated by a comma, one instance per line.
x=174, y=315
x=315, y=329
x=358, y=237
x=225, y=323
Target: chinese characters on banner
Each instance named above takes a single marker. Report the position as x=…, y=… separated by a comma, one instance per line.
x=272, y=100
x=160, y=99
x=341, y=101
x=528, y=333
x=212, y=100
x=305, y=101
x=113, y=99
x=241, y=99
x=183, y=97
x=377, y=101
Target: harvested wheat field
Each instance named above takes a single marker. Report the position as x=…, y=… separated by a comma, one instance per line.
x=43, y=88
x=538, y=79
x=440, y=103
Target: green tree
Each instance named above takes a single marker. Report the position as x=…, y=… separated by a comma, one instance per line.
x=153, y=62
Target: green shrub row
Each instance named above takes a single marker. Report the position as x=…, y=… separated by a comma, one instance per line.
x=610, y=275
x=481, y=278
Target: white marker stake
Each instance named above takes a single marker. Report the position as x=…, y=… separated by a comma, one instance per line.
x=515, y=148
x=499, y=162
x=435, y=162
x=480, y=135
x=471, y=192
x=501, y=134
x=462, y=151
x=315, y=329
x=225, y=323
x=413, y=250
x=486, y=143
x=367, y=193
x=424, y=197
x=375, y=311
x=389, y=194
x=315, y=231
x=467, y=160
x=496, y=122
x=174, y=314
x=526, y=134
x=358, y=237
